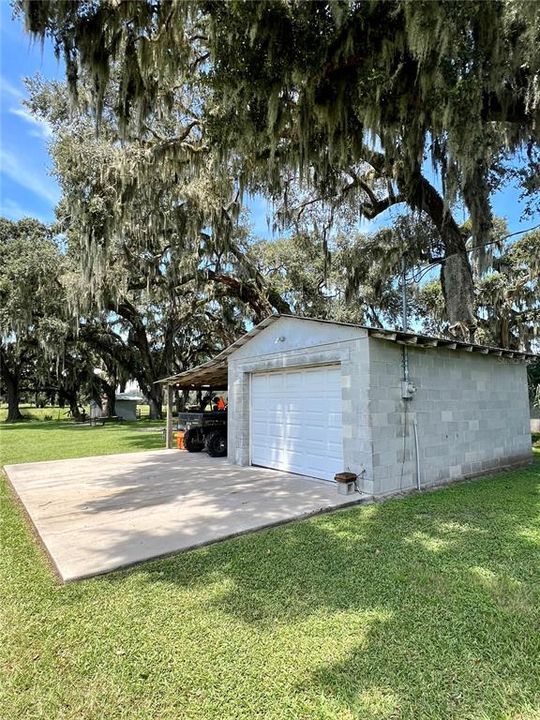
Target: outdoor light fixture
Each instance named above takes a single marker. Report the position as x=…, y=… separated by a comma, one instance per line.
x=279, y=339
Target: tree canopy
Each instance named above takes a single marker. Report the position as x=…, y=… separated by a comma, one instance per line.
x=346, y=97
x=318, y=85
x=32, y=325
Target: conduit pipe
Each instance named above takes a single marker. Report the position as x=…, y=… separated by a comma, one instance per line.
x=405, y=364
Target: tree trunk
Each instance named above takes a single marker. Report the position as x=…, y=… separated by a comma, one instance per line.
x=456, y=272
x=12, y=386
x=504, y=334
x=71, y=396
x=110, y=392
x=155, y=401
x=180, y=400
x=458, y=290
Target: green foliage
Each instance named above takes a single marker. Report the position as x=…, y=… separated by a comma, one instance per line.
x=533, y=374
x=430, y=307
x=33, y=327
x=263, y=94
x=509, y=295
x=155, y=256
x=355, y=282
x=30, y=267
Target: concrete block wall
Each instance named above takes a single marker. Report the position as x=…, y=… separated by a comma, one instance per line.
x=471, y=412
x=357, y=430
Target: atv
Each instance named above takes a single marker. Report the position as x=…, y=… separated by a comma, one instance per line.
x=205, y=431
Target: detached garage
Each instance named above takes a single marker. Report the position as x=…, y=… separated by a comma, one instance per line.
x=398, y=409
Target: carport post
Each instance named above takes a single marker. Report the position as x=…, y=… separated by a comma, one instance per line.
x=169, y=430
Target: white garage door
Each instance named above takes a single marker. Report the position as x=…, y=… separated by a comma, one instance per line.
x=296, y=421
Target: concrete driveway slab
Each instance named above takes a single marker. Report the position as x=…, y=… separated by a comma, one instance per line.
x=98, y=514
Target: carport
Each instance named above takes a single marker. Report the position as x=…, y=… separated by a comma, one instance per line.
x=211, y=376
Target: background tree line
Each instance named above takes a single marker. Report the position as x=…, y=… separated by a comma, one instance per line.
x=149, y=325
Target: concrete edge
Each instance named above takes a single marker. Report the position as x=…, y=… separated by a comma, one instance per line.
x=34, y=532
x=365, y=500
x=231, y=536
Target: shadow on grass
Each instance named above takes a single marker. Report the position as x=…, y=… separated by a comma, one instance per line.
x=426, y=607
x=436, y=596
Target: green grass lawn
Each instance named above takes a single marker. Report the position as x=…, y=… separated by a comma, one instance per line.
x=31, y=412
x=424, y=607
x=33, y=441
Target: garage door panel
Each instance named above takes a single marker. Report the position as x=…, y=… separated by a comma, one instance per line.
x=296, y=421
x=293, y=432
x=334, y=449
x=312, y=415
x=275, y=432
x=333, y=437
x=313, y=448
x=291, y=445
x=312, y=434
x=334, y=430
x=294, y=417
x=293, y=381
x=334, y=418
x=259, y=429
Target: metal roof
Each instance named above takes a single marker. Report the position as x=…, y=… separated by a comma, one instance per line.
x=213, y=373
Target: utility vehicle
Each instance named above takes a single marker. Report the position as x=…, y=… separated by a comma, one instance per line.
x=205, y=431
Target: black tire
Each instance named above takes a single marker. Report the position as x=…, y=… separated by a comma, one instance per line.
x=216, y=443
x=193, y=441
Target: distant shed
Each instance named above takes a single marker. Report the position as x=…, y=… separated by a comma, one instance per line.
x=126, y=405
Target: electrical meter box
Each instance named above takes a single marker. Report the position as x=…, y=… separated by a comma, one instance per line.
x=407, y=390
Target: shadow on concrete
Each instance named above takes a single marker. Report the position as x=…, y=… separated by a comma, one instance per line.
x=100, y=513
x=426, y=607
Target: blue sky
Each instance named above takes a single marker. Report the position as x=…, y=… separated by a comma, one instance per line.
x=26, y=187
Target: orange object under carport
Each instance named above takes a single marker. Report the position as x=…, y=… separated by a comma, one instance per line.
x=180, y=440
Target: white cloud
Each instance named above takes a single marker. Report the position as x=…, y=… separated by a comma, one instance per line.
x=42, y=130
x=29, y=178
x=7, y=88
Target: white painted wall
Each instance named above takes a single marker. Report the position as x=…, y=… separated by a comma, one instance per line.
x=296, y=334
x=306, y=344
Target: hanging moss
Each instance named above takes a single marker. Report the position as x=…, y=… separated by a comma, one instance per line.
x=287, y=87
